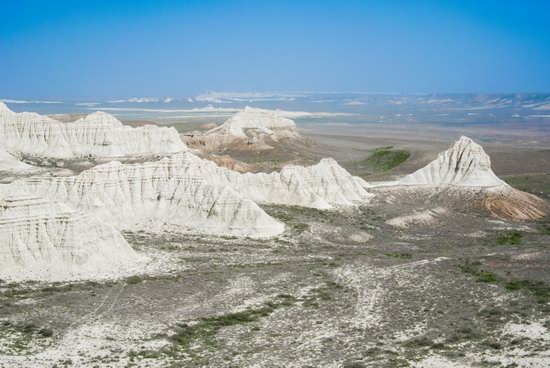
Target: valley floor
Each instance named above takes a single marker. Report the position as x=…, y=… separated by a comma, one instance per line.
x=338, y=289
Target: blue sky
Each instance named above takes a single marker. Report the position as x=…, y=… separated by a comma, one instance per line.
x=179, y=48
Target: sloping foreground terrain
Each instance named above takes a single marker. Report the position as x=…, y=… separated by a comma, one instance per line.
x=338, y=289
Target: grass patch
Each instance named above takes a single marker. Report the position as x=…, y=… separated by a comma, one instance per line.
x=299, y=227
x=538, y=183
x=203, y=332
x=538, y=289
x=322, y=294
x=487, y=276
x=132, y=280
x=511, y=238
x=399, y=255
x=208, y=327
x=544, y=229
x=463, y=333
x=18, y=338
x=474, y=268
x=13, y=290
x=386, y=158
x=419, y=342
x=492, y=344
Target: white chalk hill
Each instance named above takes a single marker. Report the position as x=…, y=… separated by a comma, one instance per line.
x=257, y=121
x=10, y=163
x=463, y=175
x=323, y=186
x=98, y=135
x=155, y=196
x=464, y=164
x=249, y=129
x=185, y=192
x=42, y=240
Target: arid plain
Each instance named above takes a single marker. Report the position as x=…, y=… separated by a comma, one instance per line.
x=359, y=261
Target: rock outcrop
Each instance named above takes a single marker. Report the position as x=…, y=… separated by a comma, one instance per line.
x=97, y=136
x=321, y=186
x=249, y=129
x=188, y=193
x=260, y=121
x=230, y=163
x=462, y=176
x=173, y=193
x=10, y=163
x=41, y=240
x=465, y=164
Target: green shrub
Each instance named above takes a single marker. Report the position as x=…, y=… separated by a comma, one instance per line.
x=511, y=238
x=538, y=288
x=132, y=280
x=544, y=229
x=399, y=255
x=487, y=276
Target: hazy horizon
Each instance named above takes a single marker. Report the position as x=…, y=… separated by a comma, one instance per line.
x=167, y=48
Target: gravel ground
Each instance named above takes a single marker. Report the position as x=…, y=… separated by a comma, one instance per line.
x=338, y=289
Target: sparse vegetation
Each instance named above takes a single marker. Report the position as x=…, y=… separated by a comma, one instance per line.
x=45, y=332
x=544, y=228
x=300, y=227
x=132, y=280
x=399, y=255
x=203, y=331
x=386, y=158
x=473, y=268
x=536, y=183
x=487, y=276
x=510, y=238
x=325, y=286
x=538, y=289
x=17, y=338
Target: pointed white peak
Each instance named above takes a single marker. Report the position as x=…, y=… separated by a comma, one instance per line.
x=100, y=118
x=465, y=163
x=4, y=107
x=253, y=118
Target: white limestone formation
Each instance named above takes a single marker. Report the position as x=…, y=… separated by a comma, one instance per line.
x=323, y=186
x=167, y=194
x=268, y=122
x=10, y=163
x=464, y=164
x=187, y=193
x=462, y=175
x=249, y=129
x=41, y=240
x=98, y=135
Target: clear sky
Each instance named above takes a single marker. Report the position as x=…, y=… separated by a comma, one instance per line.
x=178, y=48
